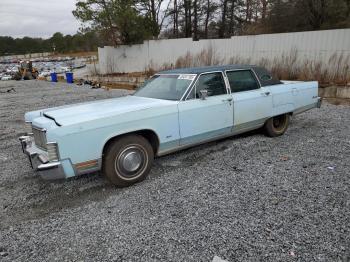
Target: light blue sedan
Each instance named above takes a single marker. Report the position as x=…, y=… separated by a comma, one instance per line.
x=175, y=109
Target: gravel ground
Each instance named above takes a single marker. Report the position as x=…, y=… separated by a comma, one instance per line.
x=247, y=198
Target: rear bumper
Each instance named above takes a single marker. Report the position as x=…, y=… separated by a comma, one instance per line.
x=39, y=160
x=319, y=102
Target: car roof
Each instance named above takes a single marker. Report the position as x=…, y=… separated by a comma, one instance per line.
x=204, y=69
x=259, y=71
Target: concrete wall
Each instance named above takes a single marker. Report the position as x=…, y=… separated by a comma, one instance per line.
x=342, y=92
x=306, y=46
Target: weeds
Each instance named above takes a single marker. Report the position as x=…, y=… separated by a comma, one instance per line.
x=289, y=66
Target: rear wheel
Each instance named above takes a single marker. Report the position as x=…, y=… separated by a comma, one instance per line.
x=277, y=125
x=128, y=160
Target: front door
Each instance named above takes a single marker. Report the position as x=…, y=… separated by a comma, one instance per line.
x=203, y=118
x=252, y=103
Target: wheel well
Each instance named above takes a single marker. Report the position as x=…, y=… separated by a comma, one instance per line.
x=150, y=135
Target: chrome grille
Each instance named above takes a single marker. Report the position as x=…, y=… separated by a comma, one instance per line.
x=39, y=137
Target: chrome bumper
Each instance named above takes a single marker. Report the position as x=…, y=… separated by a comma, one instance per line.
x=39, y=160
x=319, y=102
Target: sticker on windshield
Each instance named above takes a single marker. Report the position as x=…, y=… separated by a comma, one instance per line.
x=187, y=77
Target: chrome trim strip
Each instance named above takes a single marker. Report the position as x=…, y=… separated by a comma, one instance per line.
x=233, y=133
x=39, y=128
x=305, y=108
x=48, y=166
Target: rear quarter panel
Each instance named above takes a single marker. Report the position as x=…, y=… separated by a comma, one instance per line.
x=292, y=96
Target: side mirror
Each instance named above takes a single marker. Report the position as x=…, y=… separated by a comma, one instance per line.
x=204, y=94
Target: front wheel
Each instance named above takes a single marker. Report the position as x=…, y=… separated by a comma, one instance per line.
x=277, y=125
x=128, y=160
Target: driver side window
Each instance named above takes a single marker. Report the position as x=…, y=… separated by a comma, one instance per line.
x=212, y=82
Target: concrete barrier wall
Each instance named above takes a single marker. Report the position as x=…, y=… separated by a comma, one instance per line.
x=306, y=46
x=342, y=92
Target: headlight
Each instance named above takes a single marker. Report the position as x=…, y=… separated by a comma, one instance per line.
x=52, y=150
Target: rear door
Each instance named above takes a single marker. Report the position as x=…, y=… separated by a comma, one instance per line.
x=203, y=119
x=252, y=103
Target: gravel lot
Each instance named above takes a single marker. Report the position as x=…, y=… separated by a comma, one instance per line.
x=247, y=198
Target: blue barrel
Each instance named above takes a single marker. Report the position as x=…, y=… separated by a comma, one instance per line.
x=53, y=77
x=69, y=76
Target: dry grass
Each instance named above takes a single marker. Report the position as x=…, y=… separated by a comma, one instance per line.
x=335, y=72
x=287, y=67
x=204, y=58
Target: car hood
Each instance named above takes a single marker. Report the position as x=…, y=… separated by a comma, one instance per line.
x=73, y=114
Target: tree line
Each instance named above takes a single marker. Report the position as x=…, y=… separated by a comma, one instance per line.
x=60, y=43
x=132, y=21
x=116, y=22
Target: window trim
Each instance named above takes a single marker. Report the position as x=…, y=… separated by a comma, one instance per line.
x=253, y=74
x=228, y=89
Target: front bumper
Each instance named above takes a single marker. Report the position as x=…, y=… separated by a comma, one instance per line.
x=39, y=160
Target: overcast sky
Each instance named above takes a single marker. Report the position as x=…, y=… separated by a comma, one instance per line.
x=37, y=18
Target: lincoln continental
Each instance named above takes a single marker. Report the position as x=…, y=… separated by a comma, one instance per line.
x=173, y=110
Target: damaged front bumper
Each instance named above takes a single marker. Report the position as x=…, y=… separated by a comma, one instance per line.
x=39, y=160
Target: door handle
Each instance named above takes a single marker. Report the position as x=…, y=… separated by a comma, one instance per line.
x=266, y=94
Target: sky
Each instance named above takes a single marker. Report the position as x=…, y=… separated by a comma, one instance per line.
x=37, y=18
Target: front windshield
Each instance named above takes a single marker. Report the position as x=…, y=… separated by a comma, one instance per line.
x=168, y=87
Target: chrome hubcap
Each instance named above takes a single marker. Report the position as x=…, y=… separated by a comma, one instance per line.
x=130, y=162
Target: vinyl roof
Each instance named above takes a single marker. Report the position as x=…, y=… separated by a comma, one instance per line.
x=259, y=71
x=204, y=69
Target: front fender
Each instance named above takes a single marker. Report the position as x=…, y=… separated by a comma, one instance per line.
x=81, y=143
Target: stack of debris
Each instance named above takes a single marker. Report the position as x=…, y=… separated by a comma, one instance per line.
x=13, y=69
x=93, y=84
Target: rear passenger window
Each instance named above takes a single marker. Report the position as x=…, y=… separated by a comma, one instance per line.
x=242, y=80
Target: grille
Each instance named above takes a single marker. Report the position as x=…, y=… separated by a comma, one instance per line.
x=39, y=137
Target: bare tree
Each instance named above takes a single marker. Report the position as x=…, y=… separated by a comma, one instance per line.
x=153, y=9
x=264, y=4
x=223, y=19
x=207, y=16
x=195, y=20
x=188, y=18
x=232, y=17
x=176, y=20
